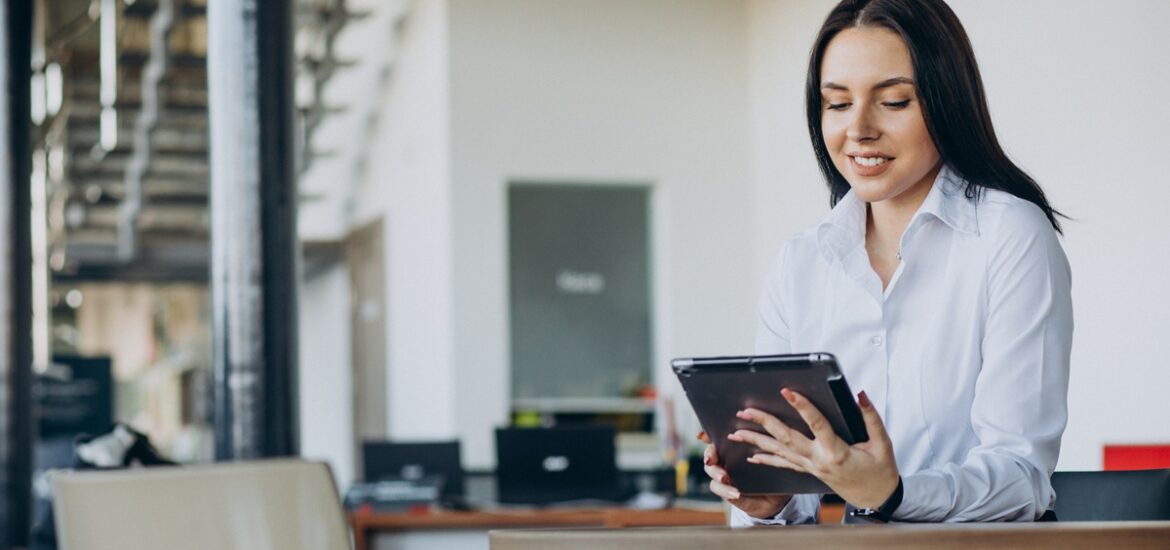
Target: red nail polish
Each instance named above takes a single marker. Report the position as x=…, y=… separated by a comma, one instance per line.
x=863, y=399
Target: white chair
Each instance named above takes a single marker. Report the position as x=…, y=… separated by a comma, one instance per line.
x=263, y=505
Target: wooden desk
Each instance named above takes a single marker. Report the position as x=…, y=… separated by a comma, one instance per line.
x=1024, y=536
x=367, y=524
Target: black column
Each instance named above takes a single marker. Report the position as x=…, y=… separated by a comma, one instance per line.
x=253, y=227
x=15, y=276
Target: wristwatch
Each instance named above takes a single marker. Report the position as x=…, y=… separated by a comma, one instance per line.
x=883, y=513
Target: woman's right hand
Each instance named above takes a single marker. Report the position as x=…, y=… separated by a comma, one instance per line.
x=757, y=506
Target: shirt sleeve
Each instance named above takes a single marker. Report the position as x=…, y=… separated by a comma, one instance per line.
x=772, y=325
x=772, y=338
x=1020, y=406
x=802, y=509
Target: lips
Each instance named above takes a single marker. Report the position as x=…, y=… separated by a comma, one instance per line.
x=870, y=164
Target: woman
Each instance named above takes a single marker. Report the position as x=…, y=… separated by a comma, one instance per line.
x=937, y=280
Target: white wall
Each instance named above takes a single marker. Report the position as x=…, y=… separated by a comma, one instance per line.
x=325, y=381
x=1077, y=90
x=704, y=102
x=600, y=91
x=408, y=184
x=786, y=185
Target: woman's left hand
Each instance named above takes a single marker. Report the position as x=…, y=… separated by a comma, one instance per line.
x=864, y=474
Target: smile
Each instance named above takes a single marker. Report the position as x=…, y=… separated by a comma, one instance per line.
x=871, y=161
x=869, y=166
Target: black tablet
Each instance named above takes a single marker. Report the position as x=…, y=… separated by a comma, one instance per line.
x=718, y=387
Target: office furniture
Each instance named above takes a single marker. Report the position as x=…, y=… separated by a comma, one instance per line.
x=286, y=504
x=1000, y=536
x=1136, y=457
x=367, y=524
x=1133, y=495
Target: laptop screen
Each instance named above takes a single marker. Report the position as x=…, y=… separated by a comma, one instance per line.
x=546, y=465
x=384, y=460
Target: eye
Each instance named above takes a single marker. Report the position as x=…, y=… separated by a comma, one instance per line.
x=838, y=106
x=896, y=105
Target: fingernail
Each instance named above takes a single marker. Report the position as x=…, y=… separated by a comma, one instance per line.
x=734, y=437
x=707, y=460
x=700, y=435
x=742, y=414
x=788, y=395
x=734, y=495
x=864, y=400
x=753, y=459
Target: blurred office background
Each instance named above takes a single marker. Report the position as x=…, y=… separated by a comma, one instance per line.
x=517, y=211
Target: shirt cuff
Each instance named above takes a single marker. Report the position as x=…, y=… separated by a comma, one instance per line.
x=801, y=509
x=923, y=498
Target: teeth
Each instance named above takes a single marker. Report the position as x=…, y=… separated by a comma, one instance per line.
x=870, y=161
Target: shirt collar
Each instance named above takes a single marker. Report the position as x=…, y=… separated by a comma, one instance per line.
x=843, y=230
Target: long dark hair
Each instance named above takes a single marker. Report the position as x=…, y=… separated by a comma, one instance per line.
x=949, y=88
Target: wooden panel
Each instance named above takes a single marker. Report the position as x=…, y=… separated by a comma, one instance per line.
x=367, y=524
x=831, y=513
x=1027, y=536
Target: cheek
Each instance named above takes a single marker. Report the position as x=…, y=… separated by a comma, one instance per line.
x=834, y=133
x=920, y=137
x=926, y=144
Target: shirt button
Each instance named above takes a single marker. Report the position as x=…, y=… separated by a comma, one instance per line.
x=876, y=341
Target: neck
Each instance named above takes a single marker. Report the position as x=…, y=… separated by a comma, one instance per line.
x=887, y=220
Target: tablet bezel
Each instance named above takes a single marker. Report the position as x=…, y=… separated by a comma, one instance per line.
x=717, y=387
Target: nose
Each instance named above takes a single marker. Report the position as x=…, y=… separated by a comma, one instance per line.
x=861, y=126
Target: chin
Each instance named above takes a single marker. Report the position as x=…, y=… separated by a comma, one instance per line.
x=871, y=191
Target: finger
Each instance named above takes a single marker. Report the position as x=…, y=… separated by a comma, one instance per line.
x=710, y=455
x=817, y=423
x=724, y=490
x=770, y=423
x=703, y=436
x=776, y=461
x=763, y=441
x=771, y=446
x=786, y=436
x=717, y=473
x=873, y=420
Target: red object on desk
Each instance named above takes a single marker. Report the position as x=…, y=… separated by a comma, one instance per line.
x=1137, y=457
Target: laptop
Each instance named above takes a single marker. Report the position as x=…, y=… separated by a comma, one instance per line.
x=385, y=461
x=549, y=465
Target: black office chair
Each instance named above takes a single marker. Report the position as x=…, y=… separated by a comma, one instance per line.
x=1136, y=495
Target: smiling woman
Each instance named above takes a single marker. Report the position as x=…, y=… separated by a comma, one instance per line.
x=868, y=94
x=938, y=281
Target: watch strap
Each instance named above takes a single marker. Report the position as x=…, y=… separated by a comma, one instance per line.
x=885, y=512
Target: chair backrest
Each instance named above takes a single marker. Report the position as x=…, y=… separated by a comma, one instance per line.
x=272, y=504
x=1136, y=495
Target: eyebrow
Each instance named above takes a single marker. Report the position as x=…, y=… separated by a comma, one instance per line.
x=883, y=84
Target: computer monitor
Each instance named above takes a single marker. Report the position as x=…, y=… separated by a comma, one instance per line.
x=547, y=465
x=386, y=460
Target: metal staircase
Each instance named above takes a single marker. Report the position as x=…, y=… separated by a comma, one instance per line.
x=104, y=225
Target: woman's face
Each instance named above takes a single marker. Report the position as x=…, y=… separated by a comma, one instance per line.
x=872, y=120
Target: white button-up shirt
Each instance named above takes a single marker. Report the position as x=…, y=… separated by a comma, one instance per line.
x=965, y=353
